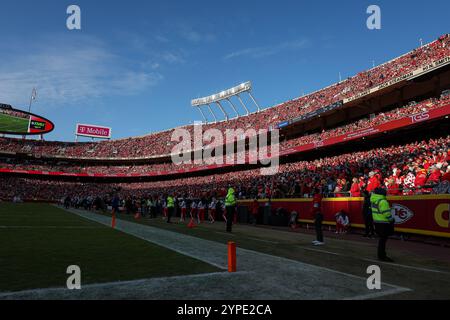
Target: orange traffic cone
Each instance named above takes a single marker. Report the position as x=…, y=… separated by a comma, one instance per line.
x=113, y=221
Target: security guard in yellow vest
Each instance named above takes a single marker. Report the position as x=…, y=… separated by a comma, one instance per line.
x=170, y=207
x=383, y=220
x=230, y=207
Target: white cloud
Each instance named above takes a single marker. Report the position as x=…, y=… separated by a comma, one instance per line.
x=171, y=57
x=67, y=72
x=188, y=33
x=265, y=51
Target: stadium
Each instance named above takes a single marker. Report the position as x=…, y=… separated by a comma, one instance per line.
x=104, y=206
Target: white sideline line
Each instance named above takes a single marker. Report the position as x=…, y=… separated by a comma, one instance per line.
x=115, y=283
x=322, y=251
x=379, y=294
x=261, y=240
x=406, y=266
x=228, y=234
x=382, y=262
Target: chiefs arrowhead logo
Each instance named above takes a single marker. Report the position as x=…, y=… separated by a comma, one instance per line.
x=401, y=213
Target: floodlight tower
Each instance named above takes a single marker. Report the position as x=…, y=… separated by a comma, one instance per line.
x=216, y=99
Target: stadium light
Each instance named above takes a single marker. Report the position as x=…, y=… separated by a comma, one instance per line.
x=217, y=98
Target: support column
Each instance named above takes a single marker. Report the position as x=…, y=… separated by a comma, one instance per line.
x=243, y=104
x=254, y=101
x=234, y=108
x=203, y=115
x=223, y=110
x=212, y=112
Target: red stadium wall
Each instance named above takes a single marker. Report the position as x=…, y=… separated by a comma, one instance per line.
x=423, y=215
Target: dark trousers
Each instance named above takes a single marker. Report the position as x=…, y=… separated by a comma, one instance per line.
x=318, y=225
x=230, y=216
x=169, y=214
x=368, y=221
x=384, y=230
x=253, y=218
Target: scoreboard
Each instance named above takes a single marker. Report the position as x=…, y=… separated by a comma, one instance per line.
x=18, y=122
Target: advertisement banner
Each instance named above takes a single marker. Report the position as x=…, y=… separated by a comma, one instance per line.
x=93, y=131
x=388, y=126
x=422, y=214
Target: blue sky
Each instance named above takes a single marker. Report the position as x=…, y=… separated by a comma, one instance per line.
x=135, y=65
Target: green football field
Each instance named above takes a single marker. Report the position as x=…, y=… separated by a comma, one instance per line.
x=39, y=242
x=13, y=124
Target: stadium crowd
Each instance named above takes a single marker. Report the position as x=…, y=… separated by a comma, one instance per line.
x=414, y=168
x=158, y=144
x=143, y=169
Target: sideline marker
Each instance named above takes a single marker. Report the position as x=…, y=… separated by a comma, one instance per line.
x=113, y=221
x=231, y=256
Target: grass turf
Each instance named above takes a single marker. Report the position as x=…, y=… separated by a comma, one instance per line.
x=39, y=242
x=13, y=124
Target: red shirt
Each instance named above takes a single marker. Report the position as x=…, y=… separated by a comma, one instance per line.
x=434, y=177
x=255, y=207
x=373, y=184
x=393, y=190
x=355, y=190
x=317, y=201
x=421, y=179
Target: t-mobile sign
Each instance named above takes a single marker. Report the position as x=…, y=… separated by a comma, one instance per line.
x=87, y=130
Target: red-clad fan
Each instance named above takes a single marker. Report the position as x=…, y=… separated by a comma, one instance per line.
x=435, y=175
x=373, y=182
x=355, y=190
x=421, y=178
x=446, y=176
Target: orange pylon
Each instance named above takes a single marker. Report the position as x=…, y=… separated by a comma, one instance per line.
x=231, y=256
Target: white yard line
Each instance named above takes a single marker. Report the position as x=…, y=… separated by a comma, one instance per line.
x=378, y=262
x=406, y=266
x=379, y=294
x=261, y=240
x=117, y=283
x=322, y=251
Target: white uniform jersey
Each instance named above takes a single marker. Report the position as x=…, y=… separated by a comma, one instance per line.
x=213, y=204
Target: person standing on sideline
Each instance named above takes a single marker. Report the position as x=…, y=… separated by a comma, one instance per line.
x=383, y=219
x=170, y=203
x=194, y=210
x=183, y=206
x=255, y=211
x=115, y=204
x=230, y=207
x=212, y=210
x=367, y=216
x=318, y=218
